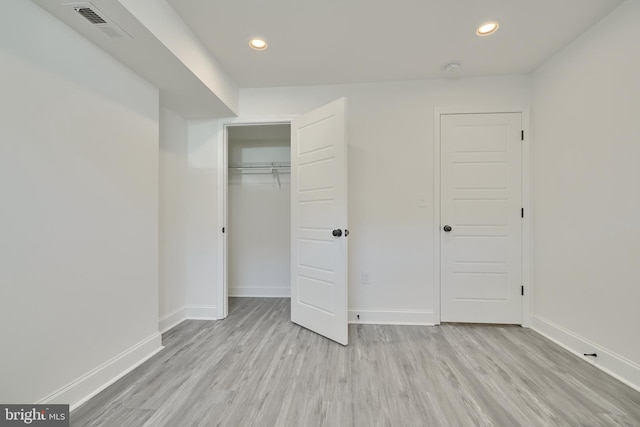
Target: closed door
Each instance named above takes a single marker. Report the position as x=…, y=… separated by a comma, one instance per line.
x=319, y=221
x=481, y=224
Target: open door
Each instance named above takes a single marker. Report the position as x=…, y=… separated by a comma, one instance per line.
x=319, y=221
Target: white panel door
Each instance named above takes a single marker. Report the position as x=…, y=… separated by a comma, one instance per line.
x=481, y=201
x=319, y=221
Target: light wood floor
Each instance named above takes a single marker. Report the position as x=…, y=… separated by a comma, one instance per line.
x=255, y=368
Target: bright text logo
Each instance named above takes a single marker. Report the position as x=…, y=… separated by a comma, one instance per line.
x=35, y=415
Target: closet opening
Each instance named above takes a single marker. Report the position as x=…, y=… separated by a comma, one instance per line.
x=258, y=211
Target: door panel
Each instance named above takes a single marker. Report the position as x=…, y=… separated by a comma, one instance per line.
x=480, y=212
x=316, y=214
x=316, y=174
x=317, y=294
x=316, y=254
x=319, y=206
x=477, y=286
x=480, y=176
x=481, y=201
x=479, y=249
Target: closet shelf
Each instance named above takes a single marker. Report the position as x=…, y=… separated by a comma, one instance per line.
x=266, y=166
x=257, y=168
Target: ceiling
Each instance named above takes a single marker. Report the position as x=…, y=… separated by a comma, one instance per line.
x=353, y=41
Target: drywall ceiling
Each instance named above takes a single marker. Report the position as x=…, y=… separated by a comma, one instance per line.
x=349, y=41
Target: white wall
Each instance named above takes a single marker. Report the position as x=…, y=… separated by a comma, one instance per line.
x=586, y=154
x=203, y=230
x=79, y=216
x=173, y=219
x=390, y=163
x=259, y=221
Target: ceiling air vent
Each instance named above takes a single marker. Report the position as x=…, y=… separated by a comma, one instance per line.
x=99, y=20
x=90, y=15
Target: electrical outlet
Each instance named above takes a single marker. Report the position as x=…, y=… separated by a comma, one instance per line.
x=364, y=278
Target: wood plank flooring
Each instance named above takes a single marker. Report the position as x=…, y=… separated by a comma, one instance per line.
x=256, y=368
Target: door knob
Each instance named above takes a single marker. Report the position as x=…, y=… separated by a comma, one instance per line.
x=447, y=228
x=337, y=233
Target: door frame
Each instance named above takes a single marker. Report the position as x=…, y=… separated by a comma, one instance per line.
x=222, y=285
x=527, y=240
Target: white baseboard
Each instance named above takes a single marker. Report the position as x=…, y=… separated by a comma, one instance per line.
x=93, y=382
x=392, y=317
x=196, y=312
x=172, y=319
x=266, y=292
x=608, y=361
x=202, y=312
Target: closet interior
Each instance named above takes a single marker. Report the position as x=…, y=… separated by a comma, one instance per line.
x=259, y=210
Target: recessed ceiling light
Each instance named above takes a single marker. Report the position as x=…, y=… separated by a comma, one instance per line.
x=258, y=44
x=487, y=28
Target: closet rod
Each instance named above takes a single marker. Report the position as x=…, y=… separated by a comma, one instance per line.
x=273, y=165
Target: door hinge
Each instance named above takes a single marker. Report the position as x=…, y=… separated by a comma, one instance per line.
x=522, y=135
x=223, y=229
x=522, y=290
x=521, y=212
